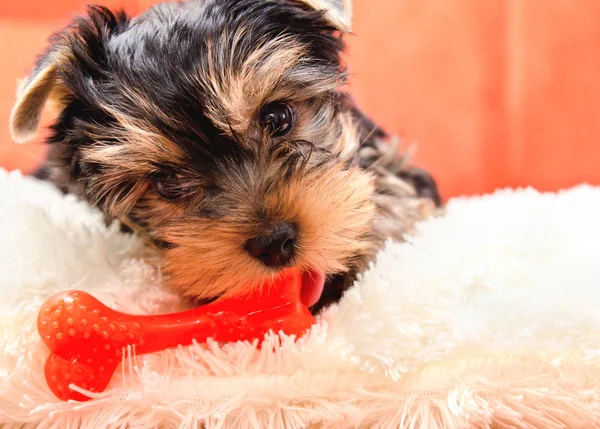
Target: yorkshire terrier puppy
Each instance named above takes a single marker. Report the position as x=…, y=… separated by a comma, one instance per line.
x=218, y=131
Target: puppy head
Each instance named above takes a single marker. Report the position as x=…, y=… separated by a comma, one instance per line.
x=214, y=129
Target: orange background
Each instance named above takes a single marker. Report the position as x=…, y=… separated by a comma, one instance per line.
x=495, y=92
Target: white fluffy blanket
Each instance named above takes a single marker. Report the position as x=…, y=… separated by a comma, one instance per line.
x=488, y=317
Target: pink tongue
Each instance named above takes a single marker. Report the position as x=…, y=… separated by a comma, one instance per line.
x=312, y=287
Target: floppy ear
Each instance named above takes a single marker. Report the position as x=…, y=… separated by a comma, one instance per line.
x=42, y=85
x=338, y=12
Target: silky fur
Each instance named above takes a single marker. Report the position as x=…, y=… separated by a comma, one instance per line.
x=179, y=90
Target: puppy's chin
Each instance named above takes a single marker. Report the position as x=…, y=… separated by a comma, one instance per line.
x=312, y=286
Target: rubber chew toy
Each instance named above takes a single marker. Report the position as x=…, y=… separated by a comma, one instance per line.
x=87, y=339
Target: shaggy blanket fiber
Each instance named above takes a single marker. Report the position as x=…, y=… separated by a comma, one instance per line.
x=486, y=317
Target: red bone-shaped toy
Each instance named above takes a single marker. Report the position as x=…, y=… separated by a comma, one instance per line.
x=87, y=339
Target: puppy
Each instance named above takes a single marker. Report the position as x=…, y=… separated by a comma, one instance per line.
x=217, y=130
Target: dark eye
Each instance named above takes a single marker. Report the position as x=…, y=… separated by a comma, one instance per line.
x=167, y=185
x=277, y=118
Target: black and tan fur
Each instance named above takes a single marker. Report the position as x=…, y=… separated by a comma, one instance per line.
x=174, y=97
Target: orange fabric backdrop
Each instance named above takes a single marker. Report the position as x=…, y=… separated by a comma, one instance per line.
x=495, y=92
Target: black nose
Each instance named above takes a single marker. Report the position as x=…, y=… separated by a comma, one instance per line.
x=276, y=246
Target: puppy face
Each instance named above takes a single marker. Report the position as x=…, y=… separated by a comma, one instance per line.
x=215, y=130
